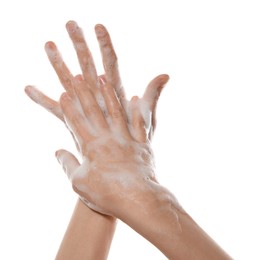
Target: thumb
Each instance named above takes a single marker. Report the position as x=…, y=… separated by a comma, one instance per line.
x=68, y=161
x=153, y=90
x=151, y=96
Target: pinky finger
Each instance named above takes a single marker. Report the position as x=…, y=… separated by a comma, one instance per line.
x=49, y=104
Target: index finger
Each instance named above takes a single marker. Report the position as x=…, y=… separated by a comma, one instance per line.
x=65, y=76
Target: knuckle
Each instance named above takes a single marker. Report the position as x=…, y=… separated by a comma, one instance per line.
x=77, y=119
x=91, y=109
x=75, y=187
x=120, y=93
x=139, y=122
x=80, y=89
x=112, y=63
x=117, y=112
x=86, y=63
x=66, y=81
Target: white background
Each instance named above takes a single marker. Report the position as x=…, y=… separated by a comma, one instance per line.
x=206, y=142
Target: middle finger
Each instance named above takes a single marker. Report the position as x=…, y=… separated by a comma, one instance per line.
x=83, y=54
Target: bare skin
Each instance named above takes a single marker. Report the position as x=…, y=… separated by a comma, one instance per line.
x=89, y=233
x=117, y=177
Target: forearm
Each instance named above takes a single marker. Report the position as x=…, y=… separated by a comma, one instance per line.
x=157, y=216
x=88, y=236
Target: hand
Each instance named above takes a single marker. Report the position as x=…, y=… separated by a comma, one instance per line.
x=146, y=105
x=116, y=165
x=117, y=176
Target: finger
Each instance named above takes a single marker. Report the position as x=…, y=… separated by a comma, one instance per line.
x=138, y=127
x=49, y=104
x=83, y=53
x=68, y=161
x=97, y=94
x=99, y=97
x=154, y=89
x=65, y=76
x=90, y=106
x=115, y=109
x=75, y=120
x=109, y=60
x=152, y=95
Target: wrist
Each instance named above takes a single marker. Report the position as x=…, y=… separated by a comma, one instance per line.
x=148, y=208
x=156, y=215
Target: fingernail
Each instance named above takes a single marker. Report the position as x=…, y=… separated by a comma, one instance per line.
x=72, y=26
x=79, y=78
x=102, y=81
x=166, y=78
x=65, y=96
x=49, y=45
x=57, y=156
x=27, y=89
x=100, y=30
x=52, y=52
x=134, y=98
x=56, y=153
